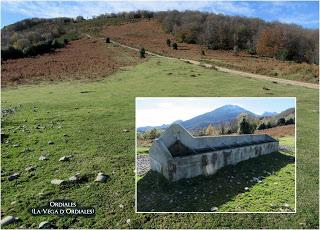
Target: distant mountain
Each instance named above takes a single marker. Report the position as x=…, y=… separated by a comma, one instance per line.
x=223, y=114
x=177, y=122
x=269, y=114
x=164, y=126
x=286, y=113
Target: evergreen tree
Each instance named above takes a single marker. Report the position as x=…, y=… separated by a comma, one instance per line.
x=142, y=53
x=168, y=42
x=175, y=46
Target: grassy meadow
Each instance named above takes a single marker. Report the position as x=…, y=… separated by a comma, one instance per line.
x=87, y=119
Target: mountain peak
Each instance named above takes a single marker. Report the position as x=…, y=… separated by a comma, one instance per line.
x=230, y=107
x=177, y=122
x=220, y=115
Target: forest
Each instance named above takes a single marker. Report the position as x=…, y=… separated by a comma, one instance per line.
x=217, y=31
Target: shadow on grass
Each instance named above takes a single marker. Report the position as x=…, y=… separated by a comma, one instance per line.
x=200, y=194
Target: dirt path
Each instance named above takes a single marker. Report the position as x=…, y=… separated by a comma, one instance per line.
x=225, y=70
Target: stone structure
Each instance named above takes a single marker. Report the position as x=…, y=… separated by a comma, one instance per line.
x=177, y=154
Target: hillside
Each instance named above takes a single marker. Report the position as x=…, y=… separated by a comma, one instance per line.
x=31, y=37
x=151, y=35
x=279, y=131
x=287, y=113
x=36, y=30
x=267, y=39
x=85, y=59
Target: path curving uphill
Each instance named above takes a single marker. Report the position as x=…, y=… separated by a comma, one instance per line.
x=231, y=71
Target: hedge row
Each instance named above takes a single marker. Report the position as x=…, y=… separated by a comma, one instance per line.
x=40, y=48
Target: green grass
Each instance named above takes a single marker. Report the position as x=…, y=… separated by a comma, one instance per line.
x=94, y=122
x=287, y=141
x=142, y=150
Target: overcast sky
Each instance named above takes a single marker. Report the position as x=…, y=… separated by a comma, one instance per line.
x=302, y=13
x=165, y=110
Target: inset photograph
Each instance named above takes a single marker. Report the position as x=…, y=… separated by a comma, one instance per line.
x=202, y=154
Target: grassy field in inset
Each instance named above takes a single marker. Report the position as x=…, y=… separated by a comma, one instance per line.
x=93, y=116
x=142, y=150
x=287, y=141
x=263, y=184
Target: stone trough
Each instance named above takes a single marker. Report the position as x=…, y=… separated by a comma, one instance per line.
x=176, y=154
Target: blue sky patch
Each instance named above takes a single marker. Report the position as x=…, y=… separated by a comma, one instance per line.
x=302, y=13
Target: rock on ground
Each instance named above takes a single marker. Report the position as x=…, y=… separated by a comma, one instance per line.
x=214, y=209
x=7, y=111
x=42, y=158
x=31, y=168
x=46, y=225
x=101, y=177
x=75, y=178
x=65, y=158
x=7, y=220
x=57, y=182
x=13, y=176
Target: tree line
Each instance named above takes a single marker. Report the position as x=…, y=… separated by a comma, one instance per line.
x=216, y=31
x=243, y=125
x=35, y=36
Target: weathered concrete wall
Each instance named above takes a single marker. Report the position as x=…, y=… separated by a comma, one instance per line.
x=223, y=152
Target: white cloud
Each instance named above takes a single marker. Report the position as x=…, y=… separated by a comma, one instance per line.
x=300, y=20
x=238, y=8
x=48, y=9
